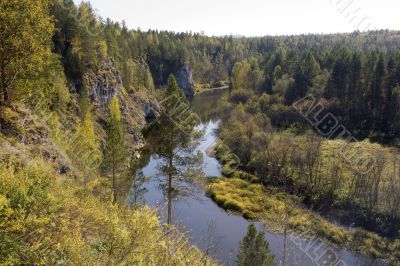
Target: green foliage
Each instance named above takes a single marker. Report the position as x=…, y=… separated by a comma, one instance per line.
x=84, y=101
x=357, y=73
x=114, y=151
x=301, y=162
x=254, y=250
x=25, y=32
x=89, y=132
x=255, y=202
x=48, y=218
x=46, y=221
x=241, y=96
x=174, y=90
x=359, y=82
x=283, y=84
x=136, y=76
x=172, y=137
x=240, y=75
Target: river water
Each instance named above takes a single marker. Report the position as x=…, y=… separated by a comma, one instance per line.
x=201, y=217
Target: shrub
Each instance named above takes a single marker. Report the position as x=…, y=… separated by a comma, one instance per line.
x=241, y=96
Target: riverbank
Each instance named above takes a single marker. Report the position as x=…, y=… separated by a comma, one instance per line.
x=205, y=221
x=243, y=194
x=200, y=89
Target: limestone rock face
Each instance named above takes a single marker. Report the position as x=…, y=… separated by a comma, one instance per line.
x=150, y=109
x=184, y=77
x=136, y=109
x=136, y=106
x=105, y=84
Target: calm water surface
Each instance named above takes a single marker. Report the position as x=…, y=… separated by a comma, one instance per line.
x=199, y=215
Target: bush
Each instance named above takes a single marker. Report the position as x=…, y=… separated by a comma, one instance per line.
x=241, y=96
x=47, y=220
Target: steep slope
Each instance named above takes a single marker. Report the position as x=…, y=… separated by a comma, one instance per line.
x=52, y=213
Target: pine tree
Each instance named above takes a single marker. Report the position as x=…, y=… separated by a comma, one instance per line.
x=148, y=80
x=377, y=92
x=114, y=153
x=254, y=250
x=88, y=44
x=354, y=92
x=172, y=139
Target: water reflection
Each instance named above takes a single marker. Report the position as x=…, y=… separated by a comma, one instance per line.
x=173, y=143
x=211, y=228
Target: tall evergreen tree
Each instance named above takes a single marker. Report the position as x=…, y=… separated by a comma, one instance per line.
x=114, y=153
x=377, y=92
x=254, y=249
x=172, y=137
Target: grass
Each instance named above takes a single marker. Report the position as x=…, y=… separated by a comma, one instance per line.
x=202, y=88
x=274, y=208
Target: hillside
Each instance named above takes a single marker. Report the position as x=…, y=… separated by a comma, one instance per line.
x=55, y=195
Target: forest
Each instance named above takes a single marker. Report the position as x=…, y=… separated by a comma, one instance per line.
x=84, y=99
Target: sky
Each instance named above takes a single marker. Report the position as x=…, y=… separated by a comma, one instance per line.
x=252, y=17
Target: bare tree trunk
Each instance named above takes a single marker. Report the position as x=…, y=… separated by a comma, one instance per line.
x=85, y=179
x=285, y=238
x=213, y=243
x=170, y=176
x=169, y=219
x=114, y=181
x=6, y=97
x=3, y=84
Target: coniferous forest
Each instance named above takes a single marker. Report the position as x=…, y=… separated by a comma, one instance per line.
x=306, y=141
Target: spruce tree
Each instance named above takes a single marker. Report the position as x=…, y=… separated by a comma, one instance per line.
x=254, y=250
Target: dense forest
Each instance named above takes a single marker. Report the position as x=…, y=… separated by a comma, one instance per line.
x=358, y=74
x=76, y=97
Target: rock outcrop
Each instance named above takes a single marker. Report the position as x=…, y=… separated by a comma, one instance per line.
x=184, y=77
x=105, y=84
x=136, y=107
x=151, y=109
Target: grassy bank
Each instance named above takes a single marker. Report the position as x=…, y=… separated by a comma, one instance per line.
x=243, y=193
x=203, y=88
x=274, y=208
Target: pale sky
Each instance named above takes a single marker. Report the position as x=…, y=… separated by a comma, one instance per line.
x=253, y=17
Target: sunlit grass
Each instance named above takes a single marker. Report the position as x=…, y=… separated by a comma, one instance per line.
x=277, y=209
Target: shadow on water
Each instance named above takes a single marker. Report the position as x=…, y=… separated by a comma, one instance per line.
x=201, y=217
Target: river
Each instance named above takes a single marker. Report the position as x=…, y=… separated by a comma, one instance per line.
x=201, y=217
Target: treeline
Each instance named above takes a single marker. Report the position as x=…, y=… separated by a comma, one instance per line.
x=360, y=88
x=212, y=58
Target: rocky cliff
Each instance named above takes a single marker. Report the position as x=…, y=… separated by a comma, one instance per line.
x=104, y=84
x=136, y=106
x=184, y=77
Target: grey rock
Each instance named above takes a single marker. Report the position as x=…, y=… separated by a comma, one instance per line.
x=150, y=109
x=184, y=77
x=104, y=85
